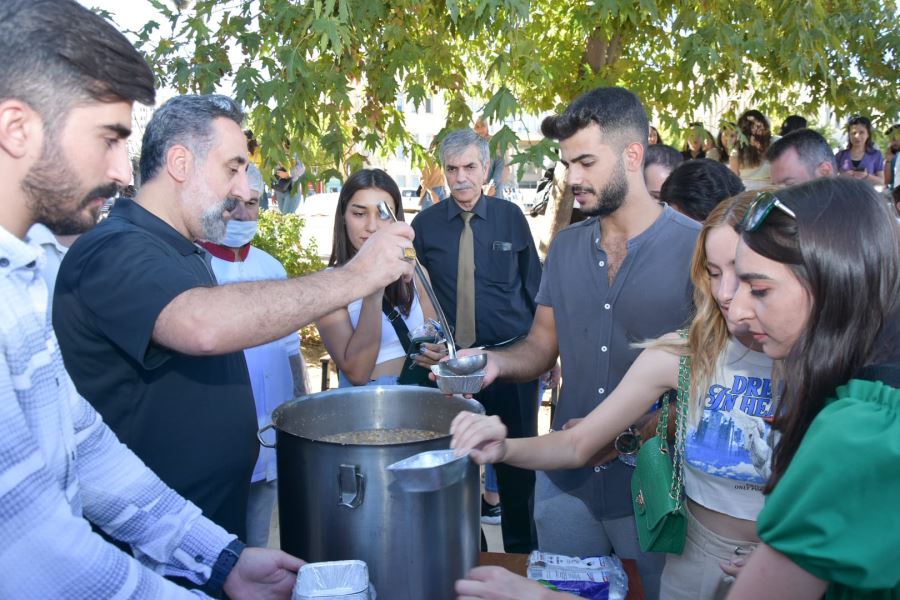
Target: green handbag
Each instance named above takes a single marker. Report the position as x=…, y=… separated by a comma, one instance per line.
x=656, y=484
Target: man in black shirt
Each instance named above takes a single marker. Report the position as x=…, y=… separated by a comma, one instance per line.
x=154, y=344
x=507, y=274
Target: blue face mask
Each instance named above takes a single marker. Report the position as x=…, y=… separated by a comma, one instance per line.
x=239, y=233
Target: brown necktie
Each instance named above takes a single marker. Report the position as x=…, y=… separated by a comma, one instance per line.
x=465, y=285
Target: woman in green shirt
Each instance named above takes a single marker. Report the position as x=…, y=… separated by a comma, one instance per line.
x=819, y=266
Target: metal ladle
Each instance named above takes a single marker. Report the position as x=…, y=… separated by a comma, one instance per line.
x=461, y=366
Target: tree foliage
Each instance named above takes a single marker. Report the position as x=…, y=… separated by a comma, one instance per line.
x=279, y=235
x=327, y=74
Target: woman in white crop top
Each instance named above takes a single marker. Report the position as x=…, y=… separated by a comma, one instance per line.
x=726, y=442
x=360, y=339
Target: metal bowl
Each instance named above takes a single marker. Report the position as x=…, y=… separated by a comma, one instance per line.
x=451, y=383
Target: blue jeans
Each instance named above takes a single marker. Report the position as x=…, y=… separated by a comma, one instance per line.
x=490, y=479
x=260, y=505
x=343, y=382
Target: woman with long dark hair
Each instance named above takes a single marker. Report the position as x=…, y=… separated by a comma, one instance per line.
x=694, y=141
x=726, y=140
x=748, y=157
x=861, y=159
x=819, y=265
x=361, y=339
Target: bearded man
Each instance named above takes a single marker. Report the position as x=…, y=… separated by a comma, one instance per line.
x=619, y=277
x=150, y=339
x=67, y=84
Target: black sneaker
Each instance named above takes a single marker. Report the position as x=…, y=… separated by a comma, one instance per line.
x=490, y=514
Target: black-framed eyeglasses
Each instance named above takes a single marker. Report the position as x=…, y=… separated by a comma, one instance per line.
x=760, y=209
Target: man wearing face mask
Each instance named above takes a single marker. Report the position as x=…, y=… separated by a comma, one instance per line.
x=276, y=368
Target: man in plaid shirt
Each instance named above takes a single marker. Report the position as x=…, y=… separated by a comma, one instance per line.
x=67, y=83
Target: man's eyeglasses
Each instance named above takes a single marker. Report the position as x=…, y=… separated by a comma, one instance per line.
x=761, y=208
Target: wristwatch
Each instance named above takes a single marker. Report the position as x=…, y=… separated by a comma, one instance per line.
x=628, y=442
x=222, y=567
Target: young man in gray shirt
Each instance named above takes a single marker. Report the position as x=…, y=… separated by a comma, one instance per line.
x=620, y=277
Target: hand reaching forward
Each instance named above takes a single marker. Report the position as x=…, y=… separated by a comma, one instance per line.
x=263, y=574
x=484, y=436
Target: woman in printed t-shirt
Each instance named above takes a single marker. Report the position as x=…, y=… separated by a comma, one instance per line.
x=726, y=449
x=360, y=338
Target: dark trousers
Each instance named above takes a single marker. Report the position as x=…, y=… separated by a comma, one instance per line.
x=516, y=405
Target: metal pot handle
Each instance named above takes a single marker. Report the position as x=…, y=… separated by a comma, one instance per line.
x=351, y=486
x=259, y=436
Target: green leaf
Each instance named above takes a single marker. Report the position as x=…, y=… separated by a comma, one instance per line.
x=501, y=105
x=453, y=10
x=503, y=141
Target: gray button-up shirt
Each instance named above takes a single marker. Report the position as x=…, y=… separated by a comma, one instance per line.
x=596, y=323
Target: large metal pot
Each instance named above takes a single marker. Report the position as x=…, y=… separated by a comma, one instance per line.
x=337, y=502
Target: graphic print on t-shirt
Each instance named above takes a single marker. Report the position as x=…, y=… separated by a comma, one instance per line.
x=731, y=439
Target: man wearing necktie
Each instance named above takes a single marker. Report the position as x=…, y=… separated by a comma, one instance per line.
x=485, y=271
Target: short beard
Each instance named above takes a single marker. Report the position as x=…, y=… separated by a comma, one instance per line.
x=51, y=185
x=212, y=225
x=611, y=197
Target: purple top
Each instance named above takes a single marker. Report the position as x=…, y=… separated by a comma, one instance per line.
x=872, y=161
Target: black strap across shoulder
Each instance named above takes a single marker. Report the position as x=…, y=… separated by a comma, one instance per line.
x=396, y=318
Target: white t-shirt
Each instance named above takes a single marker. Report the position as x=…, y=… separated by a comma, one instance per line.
x=268, y=364
x=390, y=347
x=727, y=453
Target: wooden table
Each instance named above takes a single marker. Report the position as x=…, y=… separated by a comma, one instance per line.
x=518, y=563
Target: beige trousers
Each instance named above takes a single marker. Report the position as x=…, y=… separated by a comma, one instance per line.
x=695, y=573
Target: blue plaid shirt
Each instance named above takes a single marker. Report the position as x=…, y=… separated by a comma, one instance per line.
x=61, y=467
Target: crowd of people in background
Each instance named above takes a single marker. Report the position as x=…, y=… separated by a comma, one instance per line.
x=141, y=355
x=744, y=147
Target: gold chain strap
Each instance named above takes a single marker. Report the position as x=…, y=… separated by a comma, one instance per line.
x=681, y=405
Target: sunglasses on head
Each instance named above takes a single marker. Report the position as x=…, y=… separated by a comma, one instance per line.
x=760, y=209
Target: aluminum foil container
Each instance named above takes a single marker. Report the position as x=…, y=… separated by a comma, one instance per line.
x=451, y=383
x=338, y=580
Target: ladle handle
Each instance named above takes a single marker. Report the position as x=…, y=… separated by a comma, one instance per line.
x=386, y=211
x=439, y=312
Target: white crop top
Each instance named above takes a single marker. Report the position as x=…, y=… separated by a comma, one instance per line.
x=727, y=454
x=390, y=344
